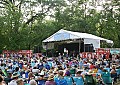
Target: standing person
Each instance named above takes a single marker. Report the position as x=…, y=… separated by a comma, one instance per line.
x=14, y=79
x=59, y=55
x=65, y=52
x=110, y=56
x=2, y=82
x=104, y=56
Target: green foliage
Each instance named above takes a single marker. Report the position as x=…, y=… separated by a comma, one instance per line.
x=23, y=23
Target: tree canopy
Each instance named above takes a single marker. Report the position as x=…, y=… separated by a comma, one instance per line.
x=25, y=23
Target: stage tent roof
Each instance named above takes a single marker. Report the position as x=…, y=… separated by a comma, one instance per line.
x=67, y=35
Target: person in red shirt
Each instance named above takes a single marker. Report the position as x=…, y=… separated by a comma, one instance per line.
x=92, y=66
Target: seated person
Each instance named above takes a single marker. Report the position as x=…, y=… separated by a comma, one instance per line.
x=2, y=82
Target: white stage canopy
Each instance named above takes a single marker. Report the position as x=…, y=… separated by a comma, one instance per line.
x=68, y=35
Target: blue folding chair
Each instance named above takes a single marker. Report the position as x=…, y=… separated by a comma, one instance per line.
x=41, y=82
x=60, y=81
x=108, y=69
x=114, y=76
x=89, y=80
x=26, y=74
x=69, y=80
x=118, y=73
x=78, y=80
x=107, y=78
x=26, y=82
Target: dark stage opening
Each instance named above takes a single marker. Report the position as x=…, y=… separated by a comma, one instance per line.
x=71, y=47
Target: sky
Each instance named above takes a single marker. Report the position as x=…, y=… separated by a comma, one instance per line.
x=36, y=9
x=97, y=5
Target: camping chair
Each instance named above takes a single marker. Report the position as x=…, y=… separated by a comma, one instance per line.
x=69, y=80
x=7, y=80
x=72, y=72
x=60, y=81
x=25, y=75
x=26, y=81
x=114, y=76
x=78, y=80
x=118, y=73
x=107, y=78
x=41, y=82
x=89, y=80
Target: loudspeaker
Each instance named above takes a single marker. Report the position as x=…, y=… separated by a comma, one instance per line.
x=37, y=49
x=89, y=48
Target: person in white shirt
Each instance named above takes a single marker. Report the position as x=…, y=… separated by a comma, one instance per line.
x=35, y=70
x=14, y=77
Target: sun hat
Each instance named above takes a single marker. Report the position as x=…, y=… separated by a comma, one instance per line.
x=42, y=73
x=51, y=77
x=55, y=72
x=15, y=75
x=50, y=72
x=79, y=71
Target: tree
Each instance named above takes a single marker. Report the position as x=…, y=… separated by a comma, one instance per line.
x=18, y=24
x=109, y=21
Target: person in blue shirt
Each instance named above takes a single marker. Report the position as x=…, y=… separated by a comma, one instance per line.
x=100, y=70
x=78, y=79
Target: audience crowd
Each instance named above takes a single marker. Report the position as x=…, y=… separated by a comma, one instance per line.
x=61, y=70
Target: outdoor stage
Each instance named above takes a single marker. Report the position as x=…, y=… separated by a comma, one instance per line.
x=73, y=41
